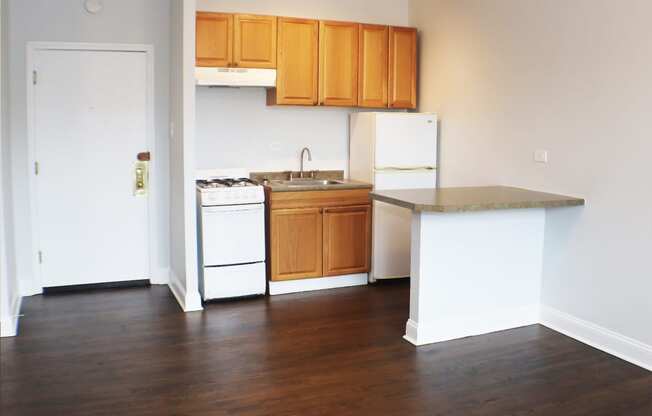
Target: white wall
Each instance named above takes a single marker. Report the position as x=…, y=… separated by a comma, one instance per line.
x=122, y=21
x=235, y=129
x=9, y=295
x=508, y=77
x=183, y=222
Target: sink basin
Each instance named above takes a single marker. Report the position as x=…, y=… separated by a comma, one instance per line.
x=308, y=182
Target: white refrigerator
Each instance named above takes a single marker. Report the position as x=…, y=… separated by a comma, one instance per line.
x=393, y=151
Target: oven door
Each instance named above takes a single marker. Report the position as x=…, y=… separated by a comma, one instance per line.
x=233, y=234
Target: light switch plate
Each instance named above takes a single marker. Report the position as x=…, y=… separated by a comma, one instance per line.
x=541, y=156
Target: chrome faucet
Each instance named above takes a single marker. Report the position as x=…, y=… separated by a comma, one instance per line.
x=304, y=150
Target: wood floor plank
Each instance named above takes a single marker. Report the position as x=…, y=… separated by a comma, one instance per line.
x=339, y=352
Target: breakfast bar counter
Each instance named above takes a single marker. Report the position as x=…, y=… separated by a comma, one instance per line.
x=476, y=258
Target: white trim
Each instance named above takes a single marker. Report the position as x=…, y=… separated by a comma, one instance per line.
x=454, y=327
x=9, y=324
x=189, y=302
x=598, y=337
x=177, y=290
x=154, y=209
x=307, y=285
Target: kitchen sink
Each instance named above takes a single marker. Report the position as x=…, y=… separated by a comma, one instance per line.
x=308, y=182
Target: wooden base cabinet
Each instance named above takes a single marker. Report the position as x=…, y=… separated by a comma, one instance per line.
x=318, y=234
x=346, y=244
x=296, y=240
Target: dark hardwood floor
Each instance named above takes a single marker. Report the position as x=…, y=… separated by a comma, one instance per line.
x=339, y=352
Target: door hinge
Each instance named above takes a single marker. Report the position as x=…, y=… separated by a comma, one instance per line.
x=40, y=257
x=34, y=77
x=36, y=168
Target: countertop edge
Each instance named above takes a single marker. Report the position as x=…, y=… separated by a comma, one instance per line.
x=341, y=187
x=559, y=203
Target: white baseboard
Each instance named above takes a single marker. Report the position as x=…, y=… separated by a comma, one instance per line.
x=448, y=328
x=598, y=337
x=321, y=283
x=190, y=303
x=9, y=324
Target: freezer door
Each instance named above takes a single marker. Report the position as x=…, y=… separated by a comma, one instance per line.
x=405, y=140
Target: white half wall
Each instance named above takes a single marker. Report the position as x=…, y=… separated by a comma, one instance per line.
x=183, y=221
x=510, y=77
x=121, y=21
x=235, y=128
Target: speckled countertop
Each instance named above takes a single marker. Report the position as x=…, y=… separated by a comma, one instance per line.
x=275, y=181
x=473, y=199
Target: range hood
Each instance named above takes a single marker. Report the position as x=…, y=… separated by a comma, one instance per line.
x=235, y=77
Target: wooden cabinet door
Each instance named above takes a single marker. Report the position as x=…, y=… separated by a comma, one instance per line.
x=214, y=43
x=296, y=240
x=297, y=63
x=402, y=67
x=373, y=63
x=254, y=41
x=347, y=240
x=338, y=63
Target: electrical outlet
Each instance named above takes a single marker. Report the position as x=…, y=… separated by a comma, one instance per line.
x=541, y=156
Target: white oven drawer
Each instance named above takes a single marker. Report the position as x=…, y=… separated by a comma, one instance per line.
x=233, y=234
x=234, y=281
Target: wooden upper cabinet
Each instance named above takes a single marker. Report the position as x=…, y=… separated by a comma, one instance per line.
x=297, y=63
x=373, y=63
x=214, y=42
x=254, y=41
x=338, y=63
x=347, y=240
x=296, y=243
x=402, y=67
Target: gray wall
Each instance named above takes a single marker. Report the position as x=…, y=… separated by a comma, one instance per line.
x=122, y=21
x=572, y=77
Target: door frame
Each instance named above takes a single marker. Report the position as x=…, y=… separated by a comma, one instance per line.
x=156, y=272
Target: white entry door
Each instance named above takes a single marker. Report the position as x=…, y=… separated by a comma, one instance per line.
x=90, y=118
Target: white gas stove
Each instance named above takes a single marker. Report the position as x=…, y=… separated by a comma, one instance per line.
x=231, y=218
